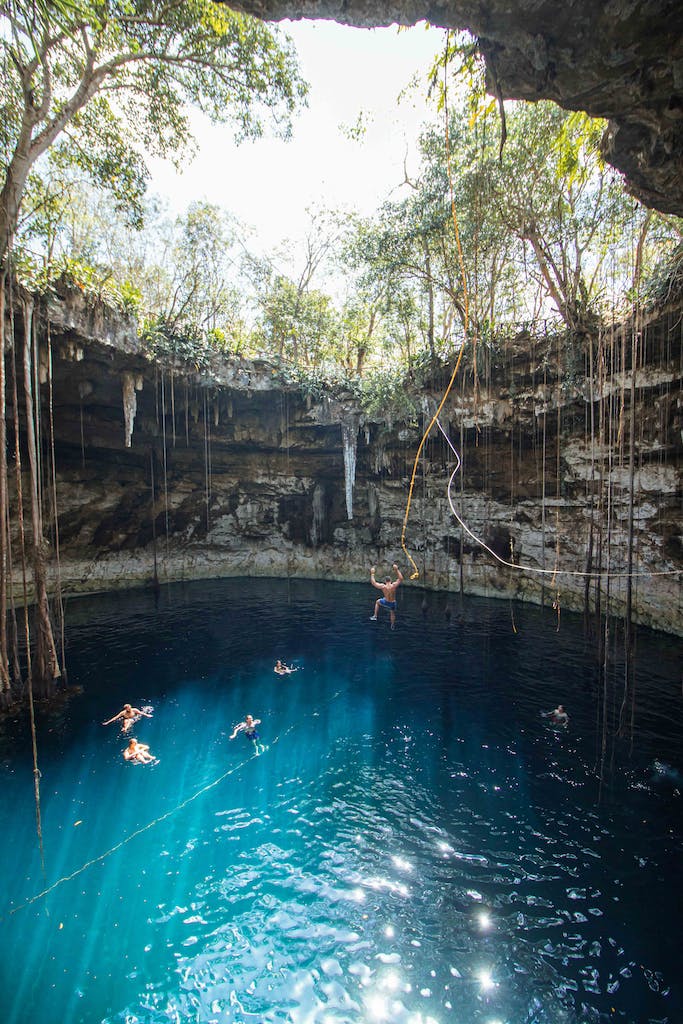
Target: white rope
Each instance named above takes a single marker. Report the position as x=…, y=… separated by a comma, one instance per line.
x=533, y=568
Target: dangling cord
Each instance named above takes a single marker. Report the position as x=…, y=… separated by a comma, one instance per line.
x=512, y=607
x=55, y=511
x=165, y=464
x=27, y=629
x=415, y=573
x=206, y=464
x=155, y=579
x=557, y=609
x=173, y=405
x=5, y=575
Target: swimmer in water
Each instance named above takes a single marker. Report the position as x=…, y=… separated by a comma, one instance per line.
x=388, y=600
x=138, y=752
x=558, y=716
x=284, y=670
x=128, y=716
x=248, y=727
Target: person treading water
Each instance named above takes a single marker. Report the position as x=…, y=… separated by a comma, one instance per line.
x=558, y=716
x=284, y=670
x=248, y=727
x=128, y=715
x=388, y=589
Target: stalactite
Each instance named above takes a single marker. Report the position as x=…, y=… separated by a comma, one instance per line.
x=130, y=407
x=84, y=389
x=349, y=432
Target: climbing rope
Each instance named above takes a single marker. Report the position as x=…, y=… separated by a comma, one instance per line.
x=555, y=571
x=466, y=320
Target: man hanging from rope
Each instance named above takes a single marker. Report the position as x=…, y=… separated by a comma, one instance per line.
x=389, y=591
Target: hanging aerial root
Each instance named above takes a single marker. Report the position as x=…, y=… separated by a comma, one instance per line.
x=554, y=572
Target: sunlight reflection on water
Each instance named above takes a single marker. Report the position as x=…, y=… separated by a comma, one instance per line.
x=415, y=845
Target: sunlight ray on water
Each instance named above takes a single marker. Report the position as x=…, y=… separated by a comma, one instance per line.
x=414, y=845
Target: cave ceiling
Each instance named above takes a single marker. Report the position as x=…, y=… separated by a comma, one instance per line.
x=621, y=60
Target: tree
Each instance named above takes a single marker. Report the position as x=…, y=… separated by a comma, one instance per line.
x=299, y=326
x=94, y=83
x=120, y=70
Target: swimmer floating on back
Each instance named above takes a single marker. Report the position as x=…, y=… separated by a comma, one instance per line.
x=129, y=715
x=284, y=670
x=138, y=752
x=388, y=589
x=248, y=727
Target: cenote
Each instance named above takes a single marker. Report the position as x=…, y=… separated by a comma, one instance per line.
x=416, y=843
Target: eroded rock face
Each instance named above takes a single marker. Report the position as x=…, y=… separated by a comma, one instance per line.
x=229, y=472
x=621, y=60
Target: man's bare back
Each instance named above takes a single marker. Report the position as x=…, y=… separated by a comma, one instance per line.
x=388, y=589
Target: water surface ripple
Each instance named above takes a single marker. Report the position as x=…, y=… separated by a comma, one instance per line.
x=415, y=844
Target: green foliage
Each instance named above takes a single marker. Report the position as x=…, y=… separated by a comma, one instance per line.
x=298, y=324
x=385, y=394
x=544, y=233
x=164, y=340
x=318, y=382
x=68, y=274
x=105, y=78
x=665, y=283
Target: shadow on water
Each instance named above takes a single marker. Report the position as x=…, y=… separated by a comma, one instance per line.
x=416, y=844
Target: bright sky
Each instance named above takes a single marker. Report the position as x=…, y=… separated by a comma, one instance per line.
x=269, y=184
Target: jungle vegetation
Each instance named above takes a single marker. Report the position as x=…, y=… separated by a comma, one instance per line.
x=89, y=86
x=511, y=221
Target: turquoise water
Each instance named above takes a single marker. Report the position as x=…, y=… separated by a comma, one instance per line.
x=416, y=844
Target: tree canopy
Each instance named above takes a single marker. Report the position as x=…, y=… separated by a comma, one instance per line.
x=102, y=81
x=547, y=234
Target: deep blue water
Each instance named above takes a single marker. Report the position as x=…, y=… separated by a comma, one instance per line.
x=415, y=845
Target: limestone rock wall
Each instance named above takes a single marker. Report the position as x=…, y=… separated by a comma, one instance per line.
x=184, y=473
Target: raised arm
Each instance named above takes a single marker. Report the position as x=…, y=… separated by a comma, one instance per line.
x=398, y=573
x=374, y=581
x=238, y=728
x=114, y=719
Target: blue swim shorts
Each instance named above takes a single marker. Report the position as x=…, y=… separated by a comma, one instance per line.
x=391, y=605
